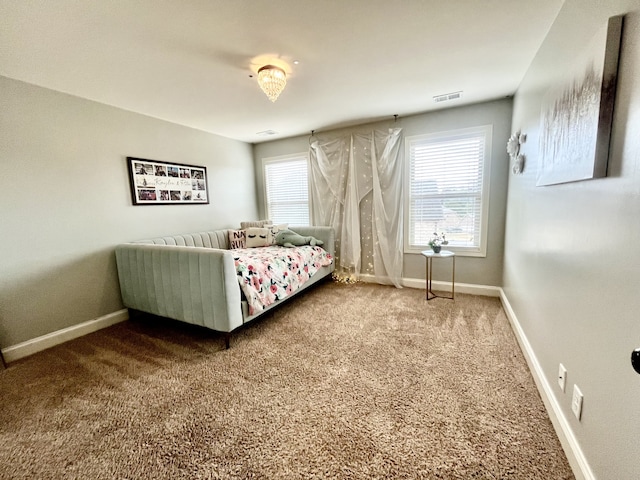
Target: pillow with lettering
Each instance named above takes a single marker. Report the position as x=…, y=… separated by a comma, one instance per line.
x=258, y=237
x=237, y=239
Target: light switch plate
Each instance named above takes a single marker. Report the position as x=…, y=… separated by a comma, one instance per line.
x=576, y=402
x=562, y=377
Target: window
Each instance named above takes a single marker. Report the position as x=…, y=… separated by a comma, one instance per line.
x=286, y=187
x=447, y=185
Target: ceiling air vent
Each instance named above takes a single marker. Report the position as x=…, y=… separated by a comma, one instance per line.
x=266, y=133
x=447, y=96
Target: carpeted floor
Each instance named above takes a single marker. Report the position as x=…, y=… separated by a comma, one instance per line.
x=344, y=381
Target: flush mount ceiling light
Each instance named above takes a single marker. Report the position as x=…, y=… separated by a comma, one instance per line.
x=272, y=81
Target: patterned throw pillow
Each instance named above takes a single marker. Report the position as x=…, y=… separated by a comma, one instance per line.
x=237, y=239
x=273, y=231
x=257, y=237
x=257, y=223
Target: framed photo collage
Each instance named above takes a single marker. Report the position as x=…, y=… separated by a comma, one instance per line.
x=154, y=182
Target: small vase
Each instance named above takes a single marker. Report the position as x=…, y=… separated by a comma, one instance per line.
x=436, y=248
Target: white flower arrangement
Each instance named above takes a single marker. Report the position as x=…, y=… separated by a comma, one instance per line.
x=437, y=240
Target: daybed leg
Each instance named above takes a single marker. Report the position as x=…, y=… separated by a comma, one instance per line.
x=227, y=338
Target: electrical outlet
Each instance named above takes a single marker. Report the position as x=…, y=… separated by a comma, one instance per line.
x=576, y=402
x=562, y=377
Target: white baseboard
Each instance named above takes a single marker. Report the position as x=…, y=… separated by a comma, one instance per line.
x=52, y=339
x=420, y=283
x=575, y=456
x=470, y=288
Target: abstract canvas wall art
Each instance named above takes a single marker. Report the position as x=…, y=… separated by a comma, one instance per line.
x=576, y=117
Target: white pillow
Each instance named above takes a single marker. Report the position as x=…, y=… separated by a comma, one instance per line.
x=273, y=231
x=257, y=237
x=257, y=223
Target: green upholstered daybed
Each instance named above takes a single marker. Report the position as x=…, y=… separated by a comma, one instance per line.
x=193, y=278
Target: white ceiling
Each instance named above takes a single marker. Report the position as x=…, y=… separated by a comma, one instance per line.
x=190, y=61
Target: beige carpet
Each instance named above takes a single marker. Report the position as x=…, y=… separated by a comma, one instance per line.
x=344, y=381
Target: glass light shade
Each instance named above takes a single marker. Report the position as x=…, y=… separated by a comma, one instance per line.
x=272, y=81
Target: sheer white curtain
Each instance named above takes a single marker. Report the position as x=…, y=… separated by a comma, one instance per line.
x=356, y=187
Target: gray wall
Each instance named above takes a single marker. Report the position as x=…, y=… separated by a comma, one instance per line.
x=66, y=202
x=474, y=270
x=571, y=252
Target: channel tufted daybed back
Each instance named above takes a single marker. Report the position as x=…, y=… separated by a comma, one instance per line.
x=215, y=239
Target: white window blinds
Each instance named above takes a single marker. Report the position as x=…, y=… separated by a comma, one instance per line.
x=287, y=189
x=448, y=188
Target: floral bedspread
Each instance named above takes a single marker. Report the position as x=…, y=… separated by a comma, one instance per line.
x=268, y=274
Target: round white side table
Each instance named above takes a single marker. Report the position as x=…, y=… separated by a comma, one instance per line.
x=430, y=255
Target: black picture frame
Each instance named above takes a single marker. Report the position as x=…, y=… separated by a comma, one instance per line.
x=154, y=182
